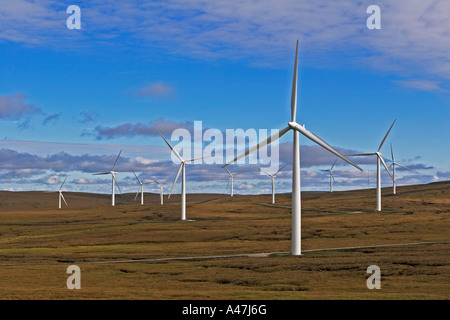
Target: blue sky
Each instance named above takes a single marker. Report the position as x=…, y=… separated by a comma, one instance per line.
x=71, y=99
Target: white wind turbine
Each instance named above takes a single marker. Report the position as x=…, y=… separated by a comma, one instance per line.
x=183, y=179
x=231, y=179
x=292, y=125
x=161, y=190
x=60, y=196
x=273, y=176
x=141, y=189
x=393, y=164
x=379, y=161
x=331, y=175
x=114, y=181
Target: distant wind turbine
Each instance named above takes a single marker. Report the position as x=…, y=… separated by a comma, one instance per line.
x=183, y=179
x=230, y=180
x=273, y=176
x=141, y=189
x=60, y=196
x=293, y=125
x=379, y=161
x=331, y=175
x=393, y=164
x=161, y=190
x=114, y=181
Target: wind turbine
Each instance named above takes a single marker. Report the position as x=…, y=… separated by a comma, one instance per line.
x=114, y=181
x=273, y=181
x=141, y=189
x=331, y=175
x=230, y=180
x=183, y=180
x=293, y=125
x=161, y=191
x=393, y=164
x=379, y=161
x=60, y=196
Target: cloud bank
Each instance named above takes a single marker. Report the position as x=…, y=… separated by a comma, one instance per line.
x=414, y=37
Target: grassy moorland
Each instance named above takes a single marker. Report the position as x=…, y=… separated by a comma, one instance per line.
x=145, y=252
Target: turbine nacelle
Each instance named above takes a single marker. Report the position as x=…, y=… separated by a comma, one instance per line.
x=294, y=125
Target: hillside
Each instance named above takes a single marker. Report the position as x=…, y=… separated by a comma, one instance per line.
x=231, y=248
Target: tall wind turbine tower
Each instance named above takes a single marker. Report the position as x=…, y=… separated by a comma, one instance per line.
x=293, y=125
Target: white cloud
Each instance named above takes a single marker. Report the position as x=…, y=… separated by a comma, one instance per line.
x=414, y=37
x=143, y=160
x=53, y=179
x=420, y=84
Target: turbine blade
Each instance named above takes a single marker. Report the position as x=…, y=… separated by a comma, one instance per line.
x=228, y=171
x=63, y=183
x=386, y=167
x=137, y=178
x=382, y=142
x=96, y=174
x=176, y=178
x=400, y=165
x=157, y=182
x=116, y=160
x=333, y=164
x=360, y=154
x=137, y=193
x=171, y=148
x=265, y=172
x=193, y=159
x=322, y=143
x=117, y=184
x=264, y=143
x=228, y=183
x=280, y=169
x=294, y=88
x=392, y=154
x=62, y=196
